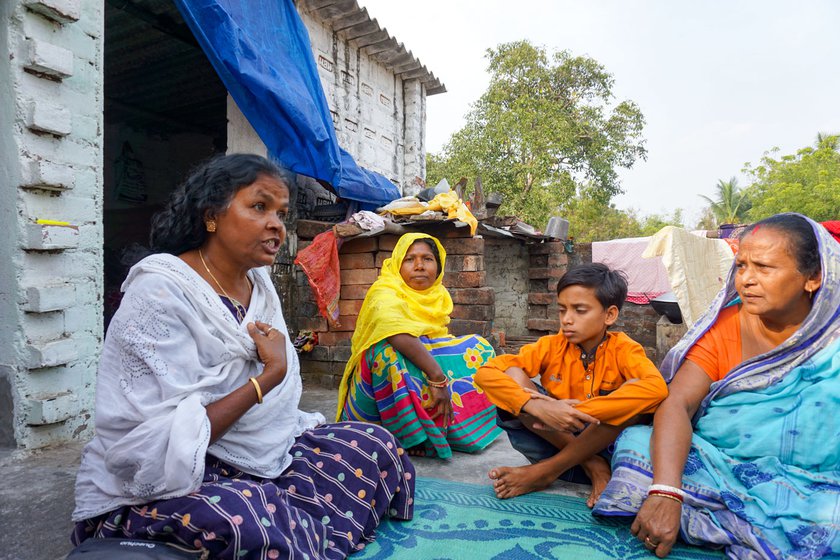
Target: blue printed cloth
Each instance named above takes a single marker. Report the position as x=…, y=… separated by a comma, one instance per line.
x=763, y=473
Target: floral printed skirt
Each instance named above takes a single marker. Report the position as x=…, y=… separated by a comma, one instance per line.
x=343, y=480
x=389, y=390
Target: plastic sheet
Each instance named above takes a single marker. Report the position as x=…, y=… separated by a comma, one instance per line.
x=261, y=51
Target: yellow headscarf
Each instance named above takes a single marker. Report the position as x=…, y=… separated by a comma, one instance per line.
x=392, y=307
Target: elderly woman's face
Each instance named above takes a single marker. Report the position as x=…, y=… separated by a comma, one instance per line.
x=767, y=277
x=419, y=268
x=252, y=229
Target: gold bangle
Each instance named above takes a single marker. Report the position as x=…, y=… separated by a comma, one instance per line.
x=658, y=495
x=438, y=384
x=256, y=385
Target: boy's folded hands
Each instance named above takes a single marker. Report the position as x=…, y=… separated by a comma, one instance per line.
x=556, y=414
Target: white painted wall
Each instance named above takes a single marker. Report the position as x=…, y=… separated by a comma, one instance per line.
x=50, y=168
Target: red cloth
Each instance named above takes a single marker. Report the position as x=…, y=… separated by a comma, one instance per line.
x=319, y=262
x=833, y=228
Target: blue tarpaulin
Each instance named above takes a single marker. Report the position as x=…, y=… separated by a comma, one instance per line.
x=260, y=49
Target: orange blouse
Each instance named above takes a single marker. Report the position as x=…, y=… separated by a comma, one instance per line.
x=719, y=350
x=620, y=383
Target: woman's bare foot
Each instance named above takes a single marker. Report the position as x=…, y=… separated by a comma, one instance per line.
x=509, y=482
x=418, y=451
x=598, y=471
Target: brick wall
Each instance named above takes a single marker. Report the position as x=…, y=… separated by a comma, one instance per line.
x=361, y=260
x=547, y=262
x=479, y=274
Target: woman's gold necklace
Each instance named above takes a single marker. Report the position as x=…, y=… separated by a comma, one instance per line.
x=238, y=307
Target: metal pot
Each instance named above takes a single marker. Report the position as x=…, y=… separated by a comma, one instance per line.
x=557, y=228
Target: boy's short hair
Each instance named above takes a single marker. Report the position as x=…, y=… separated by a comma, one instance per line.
x=610, y=285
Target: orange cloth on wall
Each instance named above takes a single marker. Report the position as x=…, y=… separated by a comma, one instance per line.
x=719, y=350
x=602, y=388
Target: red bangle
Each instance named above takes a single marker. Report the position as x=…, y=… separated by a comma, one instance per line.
x=666, y=494
x=438, y=384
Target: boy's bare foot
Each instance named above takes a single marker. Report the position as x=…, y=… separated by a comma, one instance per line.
x=509, y=482
x=598, y=471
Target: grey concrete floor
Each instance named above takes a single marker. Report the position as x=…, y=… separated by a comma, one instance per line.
x=36, y=488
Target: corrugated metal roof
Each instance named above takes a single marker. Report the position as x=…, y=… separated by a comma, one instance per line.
x=156, y=76
x=354, y=24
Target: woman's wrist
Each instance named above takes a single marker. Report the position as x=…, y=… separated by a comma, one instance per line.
x=666, y=483
x=436, y=380
x=271, y=377
x=666, y=492
x=436, y=376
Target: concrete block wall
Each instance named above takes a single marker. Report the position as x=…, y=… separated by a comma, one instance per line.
x=506, y=263
x=361, y=260
x=51, y=102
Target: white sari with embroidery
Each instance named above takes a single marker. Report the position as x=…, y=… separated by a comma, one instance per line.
x=172, y=348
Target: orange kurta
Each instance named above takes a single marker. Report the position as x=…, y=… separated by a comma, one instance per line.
x=719, y=350
x=620, y=383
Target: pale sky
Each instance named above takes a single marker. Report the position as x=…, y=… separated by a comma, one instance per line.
x=718, y=81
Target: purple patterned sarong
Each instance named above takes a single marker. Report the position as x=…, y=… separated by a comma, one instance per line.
x=344, y=478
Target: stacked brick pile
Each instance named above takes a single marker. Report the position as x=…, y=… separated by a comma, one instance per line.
x=547, y=263
x=361, y=261
x=465, y=277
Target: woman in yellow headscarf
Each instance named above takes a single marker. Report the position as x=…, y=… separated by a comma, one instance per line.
x=406, y=372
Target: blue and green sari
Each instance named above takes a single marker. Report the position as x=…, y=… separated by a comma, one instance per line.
x=763, y=474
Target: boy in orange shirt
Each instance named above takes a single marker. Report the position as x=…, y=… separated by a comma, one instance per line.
x=593, y=384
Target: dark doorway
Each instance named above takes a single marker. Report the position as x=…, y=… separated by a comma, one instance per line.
x=165, y=111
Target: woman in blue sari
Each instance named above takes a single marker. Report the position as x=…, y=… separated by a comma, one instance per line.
x=743, y=454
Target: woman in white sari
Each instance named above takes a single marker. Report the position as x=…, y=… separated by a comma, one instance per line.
x=199, y=441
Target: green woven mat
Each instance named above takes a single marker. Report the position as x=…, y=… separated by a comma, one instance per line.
x=455, y=521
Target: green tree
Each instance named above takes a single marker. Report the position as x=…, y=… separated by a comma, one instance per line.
x=807, y=182
x=544, y=127
x=593, y=219
x=654, y=222
x=732, y=203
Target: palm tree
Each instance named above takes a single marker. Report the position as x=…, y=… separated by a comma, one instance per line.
x=731, y=205
x=830, y=141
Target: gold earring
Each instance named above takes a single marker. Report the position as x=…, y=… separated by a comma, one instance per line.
x=811, y=295
x=211, y=225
